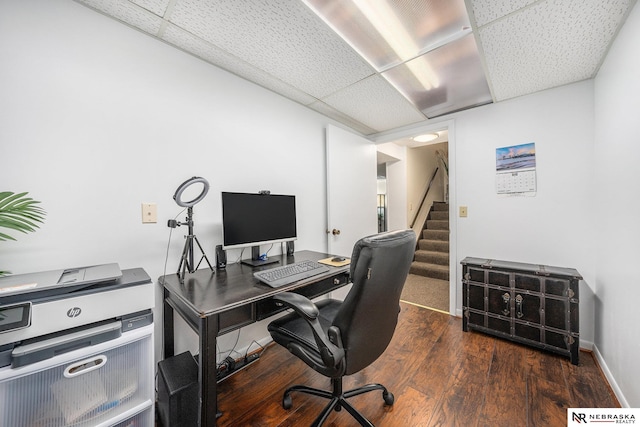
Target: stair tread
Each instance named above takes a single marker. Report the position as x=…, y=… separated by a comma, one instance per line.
x=433, y=242
x=439, y=216
x=431, y=265
x=430, y=270
x=437, y=224
x=431, y=257
x=436, y=235
x=431, y=251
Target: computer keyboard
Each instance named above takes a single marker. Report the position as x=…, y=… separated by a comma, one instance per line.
x=286, y=274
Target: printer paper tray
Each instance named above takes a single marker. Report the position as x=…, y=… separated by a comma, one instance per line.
x=41, y=349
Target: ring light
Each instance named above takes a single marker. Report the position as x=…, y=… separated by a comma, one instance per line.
x=195, y=180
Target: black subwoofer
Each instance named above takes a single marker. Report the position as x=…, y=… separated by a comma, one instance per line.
x=178, y=391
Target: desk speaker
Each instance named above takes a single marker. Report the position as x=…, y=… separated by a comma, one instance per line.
x=178, y=391
x=221, y=257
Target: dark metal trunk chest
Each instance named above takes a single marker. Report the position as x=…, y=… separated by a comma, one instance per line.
x=531, y=304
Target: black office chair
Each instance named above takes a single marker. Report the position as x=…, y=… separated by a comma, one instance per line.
x=341, y=338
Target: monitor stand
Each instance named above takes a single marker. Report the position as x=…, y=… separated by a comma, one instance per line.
x=255, y=260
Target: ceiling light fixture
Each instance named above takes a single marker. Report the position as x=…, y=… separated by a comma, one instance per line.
x=386, y=22
x=427, y=137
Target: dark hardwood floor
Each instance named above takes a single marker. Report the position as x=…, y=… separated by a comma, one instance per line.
x=439, y=375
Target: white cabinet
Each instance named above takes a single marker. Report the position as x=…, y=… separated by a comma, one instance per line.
x=107, y=384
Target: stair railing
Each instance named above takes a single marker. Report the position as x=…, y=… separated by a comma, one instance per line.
x=424, y=198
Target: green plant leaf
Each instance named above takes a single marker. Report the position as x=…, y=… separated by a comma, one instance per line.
x=20, y=213
x=5, y=237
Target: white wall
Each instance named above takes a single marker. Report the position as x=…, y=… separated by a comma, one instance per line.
x=421, y=162
x=96, y=118
x=396, y=185
x=617, y=174
x=556, y=226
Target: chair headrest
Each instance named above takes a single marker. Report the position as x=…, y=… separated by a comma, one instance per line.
x=387, y=239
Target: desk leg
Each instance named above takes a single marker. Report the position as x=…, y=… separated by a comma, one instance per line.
x=207, y=372
x=167, y=323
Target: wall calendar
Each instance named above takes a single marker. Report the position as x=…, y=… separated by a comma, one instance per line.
x=516, y=170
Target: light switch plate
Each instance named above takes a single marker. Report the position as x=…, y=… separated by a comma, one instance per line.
x=149, y=213
x=463, y=211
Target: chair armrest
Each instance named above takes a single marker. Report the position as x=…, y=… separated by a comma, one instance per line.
x=300, y=304
x=331, y=354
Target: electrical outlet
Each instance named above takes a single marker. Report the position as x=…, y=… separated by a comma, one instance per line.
x=463, y=211
x=149, y=213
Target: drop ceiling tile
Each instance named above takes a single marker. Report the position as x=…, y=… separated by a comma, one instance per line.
x=485, y=11
x=549, y=44
x=331, y=112
x=128, y=13
x=376, y=104
x=158, y=7
x=282, y=37
x=198, y=47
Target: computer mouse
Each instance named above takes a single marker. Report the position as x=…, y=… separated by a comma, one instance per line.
x=338, y=259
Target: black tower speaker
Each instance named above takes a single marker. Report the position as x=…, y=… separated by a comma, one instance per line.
x=221, y=257
x=290, y=247
x=178, y=391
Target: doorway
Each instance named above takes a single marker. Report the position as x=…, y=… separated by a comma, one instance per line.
x=382, y=198
x=427, y=198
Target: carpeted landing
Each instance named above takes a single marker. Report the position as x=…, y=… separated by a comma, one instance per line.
x=426, y=292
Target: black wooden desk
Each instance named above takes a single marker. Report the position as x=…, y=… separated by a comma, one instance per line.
x=216, y=303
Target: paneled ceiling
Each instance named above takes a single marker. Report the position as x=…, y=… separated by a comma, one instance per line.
x=379, y=65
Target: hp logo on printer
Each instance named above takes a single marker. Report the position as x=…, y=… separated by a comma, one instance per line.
x=74, y=312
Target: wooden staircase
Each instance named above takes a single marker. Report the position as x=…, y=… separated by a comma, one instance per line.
x=432, y=255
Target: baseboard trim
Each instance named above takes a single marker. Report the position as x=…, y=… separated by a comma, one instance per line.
x=610, y=378
x=586, y=345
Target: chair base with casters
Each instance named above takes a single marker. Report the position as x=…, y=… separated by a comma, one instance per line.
x=340, y=338
x=338, y=399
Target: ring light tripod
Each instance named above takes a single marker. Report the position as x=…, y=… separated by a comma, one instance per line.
x=187, y=258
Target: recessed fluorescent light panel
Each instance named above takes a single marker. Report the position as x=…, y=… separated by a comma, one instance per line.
x=423, y=48
x=458, y=76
